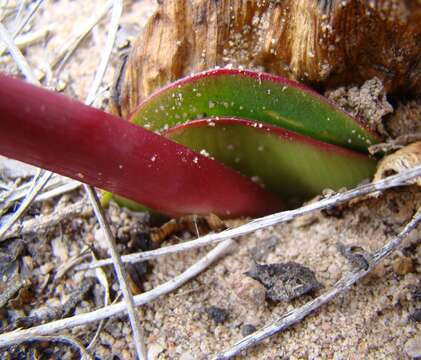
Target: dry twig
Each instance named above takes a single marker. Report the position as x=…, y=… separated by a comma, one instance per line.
x=106, y=53
x=278, y=218
x=23, y=23
x=395, y=144
x=33, y=192
x=17, y=55
x=342, y=285
x=41, y=224
x=16, y=337
x=53, y=188
x=28, y=39
x=10, y=291
x=119, y=269
x=71, y=44
x=102, y=278
x=64, y=268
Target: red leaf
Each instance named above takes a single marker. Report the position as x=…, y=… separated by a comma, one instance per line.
x=65, y=136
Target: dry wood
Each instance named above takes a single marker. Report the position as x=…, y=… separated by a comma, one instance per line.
x=326, y=42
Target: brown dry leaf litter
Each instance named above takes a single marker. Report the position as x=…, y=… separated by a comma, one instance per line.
x=376, y=319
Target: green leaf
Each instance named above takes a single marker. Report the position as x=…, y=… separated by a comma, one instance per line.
x=255, y=96
x=291, y=165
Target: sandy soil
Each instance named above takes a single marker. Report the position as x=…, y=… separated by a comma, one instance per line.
x=372, y=321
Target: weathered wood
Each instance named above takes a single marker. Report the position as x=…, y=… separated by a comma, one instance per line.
x=321, y=42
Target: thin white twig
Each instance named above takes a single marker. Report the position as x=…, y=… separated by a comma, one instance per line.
x=24, y=22
x=41, y=224
x=102, y=278
x=74, y=40
x=65, y=267
x=17, y=55
x=106, y=53
x=62, y=189
x=56, y=186
x=296, y=315
x=121, y=274
x=281, y=217
x=19, y=28
x=38, y=185
x=19, y=13
x=28, y=39
x=17, y=336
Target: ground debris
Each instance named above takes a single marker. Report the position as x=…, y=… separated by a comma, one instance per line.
x=395, y=144
x=197, y=225
x=356, y=255
x=247, y=329
x=285, y=281
x=10, y=292
x=415, y=291
x=217, y=314
x=415, y=315
x=263, y=248
x=368, y=103
x=406, y=119
x=403, y=265
x=9, y=254
x=56, y=312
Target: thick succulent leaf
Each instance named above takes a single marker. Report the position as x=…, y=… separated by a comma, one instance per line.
x=289, y=164
x=60, y=134
x=255, y=96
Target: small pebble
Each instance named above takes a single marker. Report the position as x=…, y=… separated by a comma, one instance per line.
x=217, y=314
x=403, y=265
x=247, y=329
x=248, y=290
x=47, y=207
x=377, y=273
x=416, y=315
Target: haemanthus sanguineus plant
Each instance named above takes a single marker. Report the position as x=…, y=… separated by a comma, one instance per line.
x=65, y=136
x=290, y=138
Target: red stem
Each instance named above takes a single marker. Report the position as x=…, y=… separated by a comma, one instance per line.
x=65, y=136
